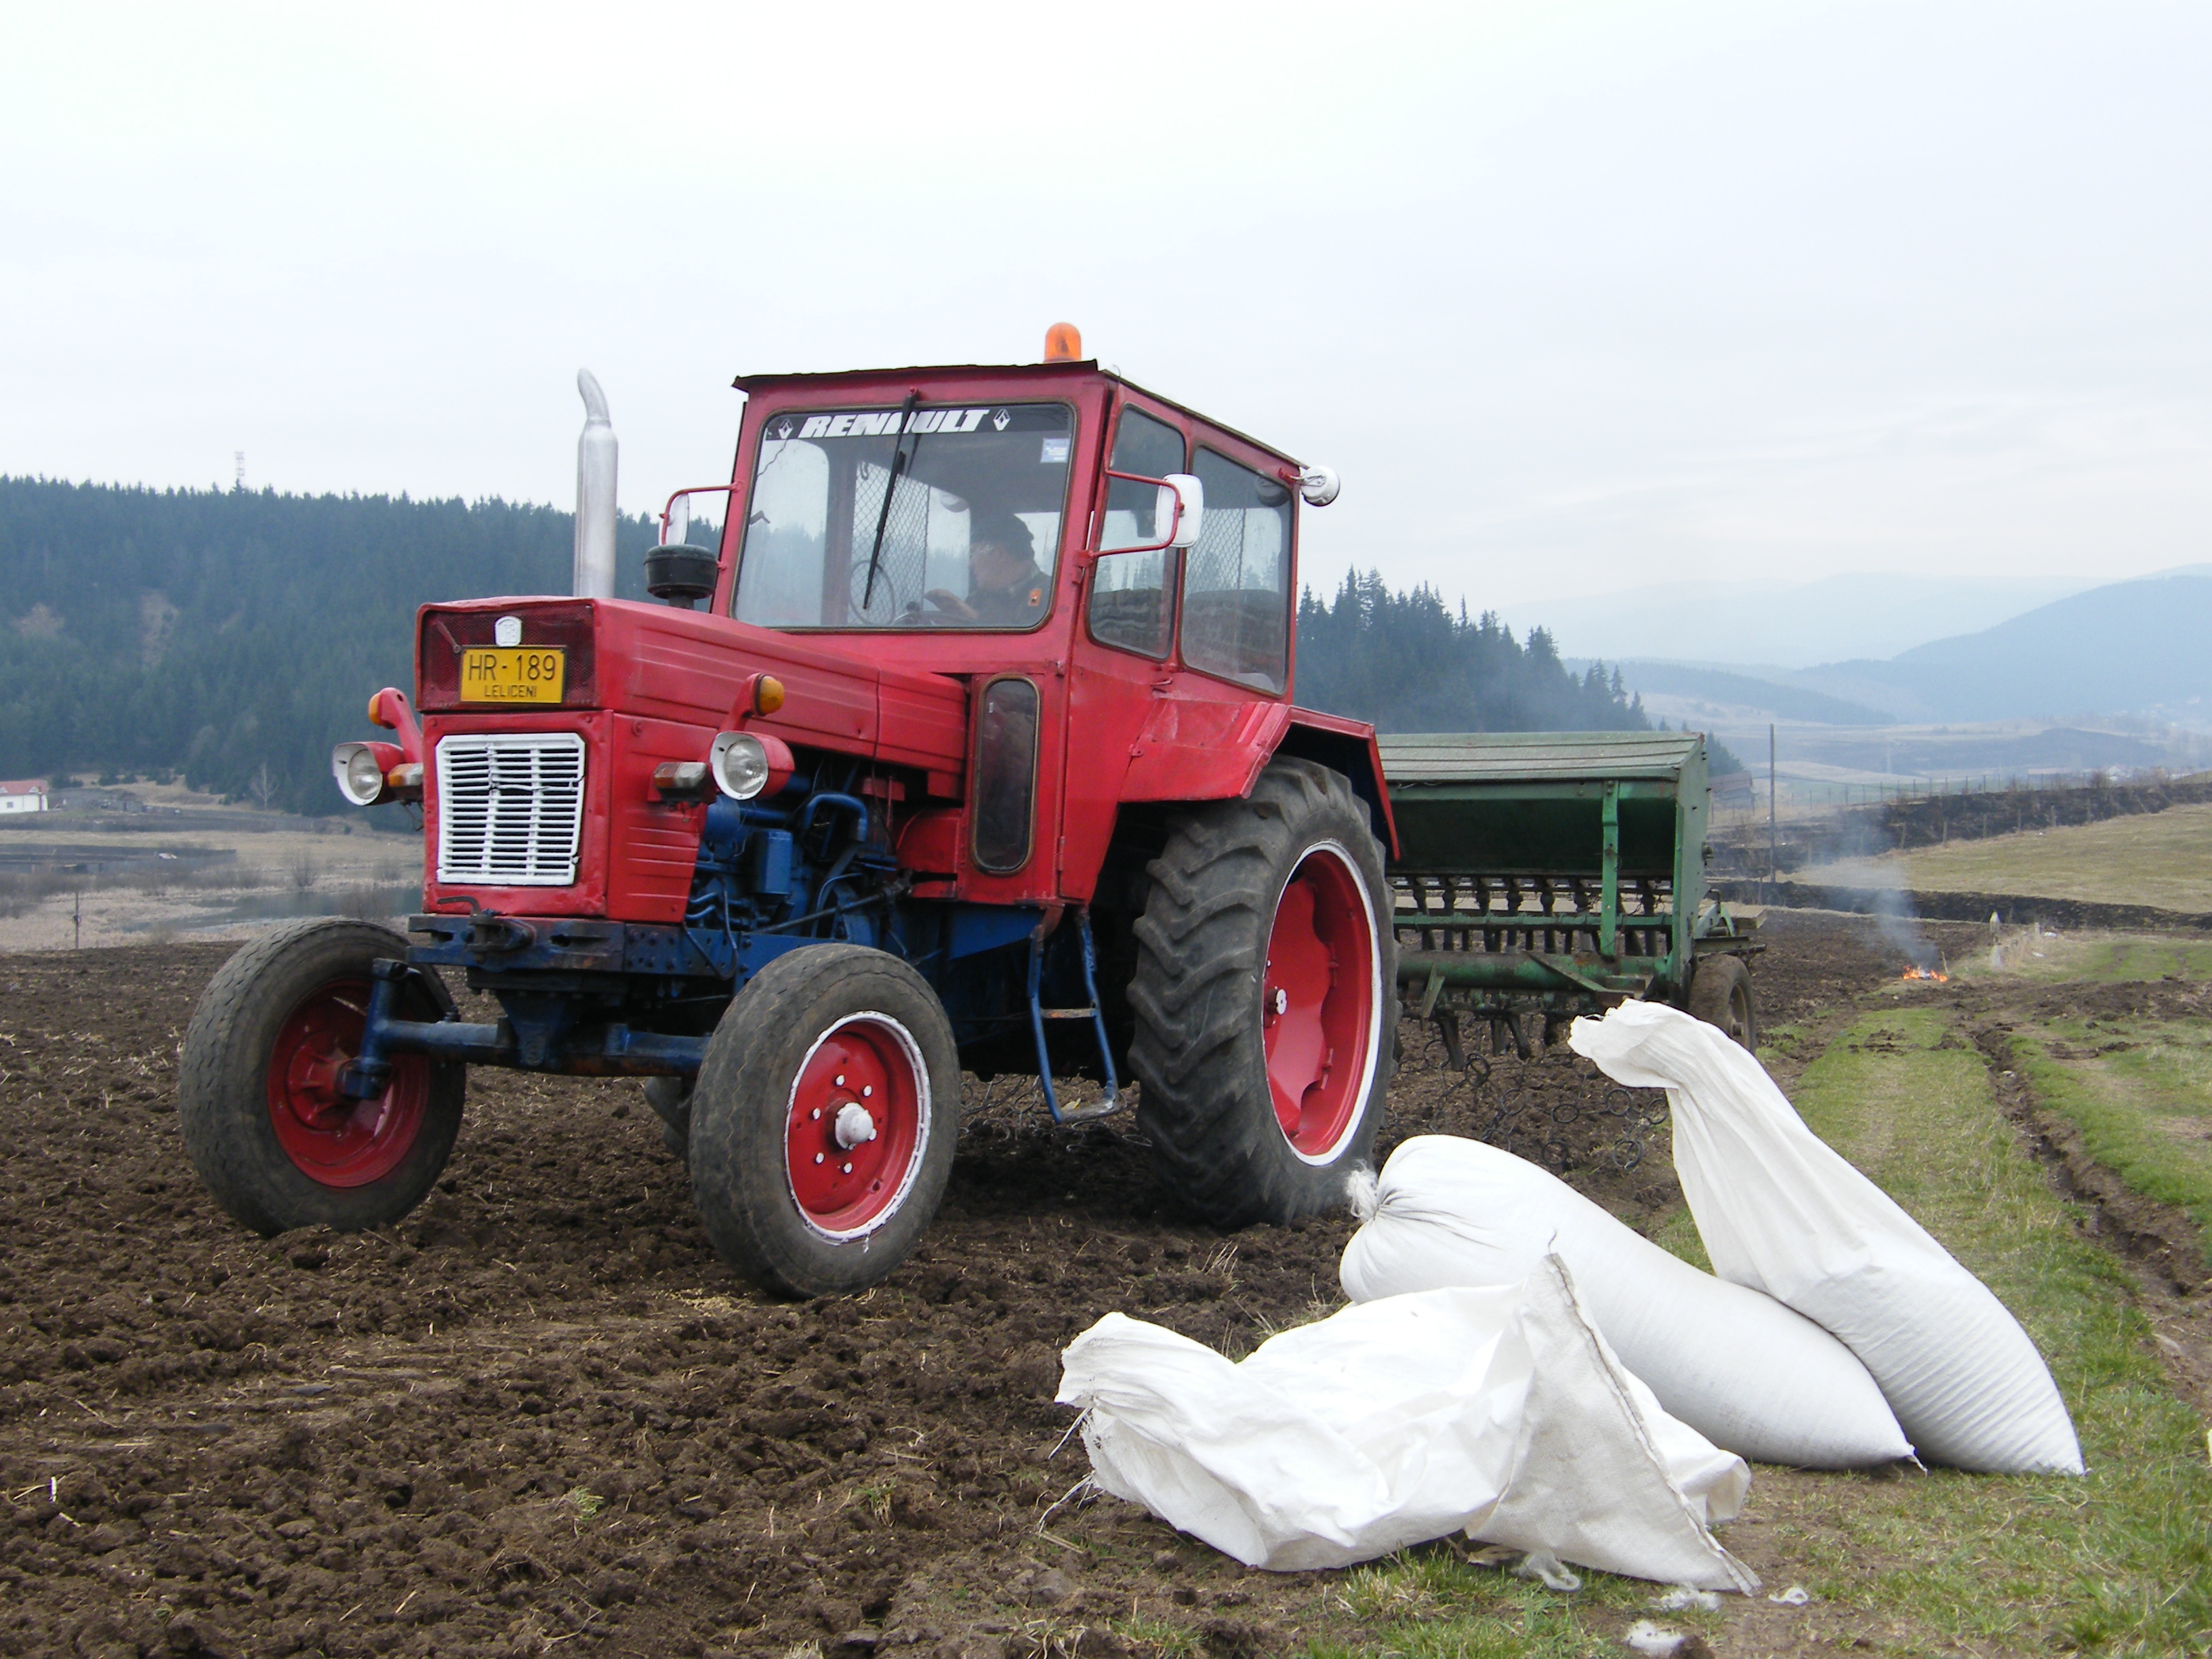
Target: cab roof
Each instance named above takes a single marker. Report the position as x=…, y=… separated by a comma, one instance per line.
x=1085, y=370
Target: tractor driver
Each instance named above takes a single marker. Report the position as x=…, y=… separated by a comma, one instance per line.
x=1005, y=588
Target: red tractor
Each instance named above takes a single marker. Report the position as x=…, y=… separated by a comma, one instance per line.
x=980, y=756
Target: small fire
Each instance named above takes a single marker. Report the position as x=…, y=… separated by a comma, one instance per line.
x=1940, y=977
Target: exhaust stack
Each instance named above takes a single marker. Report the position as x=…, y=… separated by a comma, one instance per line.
x=596, y=452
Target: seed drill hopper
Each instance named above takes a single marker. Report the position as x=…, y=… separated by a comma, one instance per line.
x=1545, y=874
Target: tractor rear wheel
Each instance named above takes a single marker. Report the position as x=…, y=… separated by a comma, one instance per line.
x=276, y=1140
x=823, y=1124
x=1720, y=996
x=1265, y=997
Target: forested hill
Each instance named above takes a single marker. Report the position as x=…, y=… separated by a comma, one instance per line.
x=1406, y=664
x=215, y=633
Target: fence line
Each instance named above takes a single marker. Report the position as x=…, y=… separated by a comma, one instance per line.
x=1814, y=793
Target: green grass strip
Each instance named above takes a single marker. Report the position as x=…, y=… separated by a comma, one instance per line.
x=2119, y=1563
x=2115, y=1102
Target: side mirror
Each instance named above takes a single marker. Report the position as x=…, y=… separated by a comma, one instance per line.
x=680, y=574
x=1193, y=504
x=677, y=571
x=1317, y=485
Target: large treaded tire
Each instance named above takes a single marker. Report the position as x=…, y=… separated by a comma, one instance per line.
x=763, y=1112
x=382, y=1156
x=1720, y=996
x=1199, y=1048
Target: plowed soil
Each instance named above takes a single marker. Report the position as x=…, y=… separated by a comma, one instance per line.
x=540, y=1413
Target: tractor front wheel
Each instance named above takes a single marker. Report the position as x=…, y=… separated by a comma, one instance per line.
x=274, y=1138
x=1264, y=996
x=823, y=1124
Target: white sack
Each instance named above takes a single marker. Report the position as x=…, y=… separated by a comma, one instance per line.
x=1781, y=1213
x=1734, y=1365
x=1387, y=1425
x=1398, y=1421
x=1606, y=1478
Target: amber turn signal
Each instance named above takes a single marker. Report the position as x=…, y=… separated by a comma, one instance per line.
x=768, y=694
x=376, y=712
x=683, y=780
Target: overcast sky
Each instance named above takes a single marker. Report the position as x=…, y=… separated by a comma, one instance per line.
x=1577, y=296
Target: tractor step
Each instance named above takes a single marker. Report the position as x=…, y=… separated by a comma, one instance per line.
x=1071, y=1116
x=1110, y=1102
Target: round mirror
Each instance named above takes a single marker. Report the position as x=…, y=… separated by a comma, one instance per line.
x=680, y=574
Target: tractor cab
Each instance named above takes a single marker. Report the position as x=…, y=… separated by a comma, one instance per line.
x=948, y=500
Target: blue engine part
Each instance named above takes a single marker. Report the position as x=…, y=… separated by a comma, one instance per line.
x=587, y=994
x=774, y=877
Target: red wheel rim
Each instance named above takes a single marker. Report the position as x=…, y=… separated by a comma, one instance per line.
x=1320, y=999
x=858, y=1123
x=330, y=1136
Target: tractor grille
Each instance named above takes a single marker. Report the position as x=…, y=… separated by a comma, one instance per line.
x=510, y=808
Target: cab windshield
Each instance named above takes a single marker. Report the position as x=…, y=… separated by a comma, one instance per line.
x=918, y=517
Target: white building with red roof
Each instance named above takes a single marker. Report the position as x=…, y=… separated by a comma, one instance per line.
x=23, y=795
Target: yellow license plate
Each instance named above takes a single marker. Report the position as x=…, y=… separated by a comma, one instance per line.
x=499, y=673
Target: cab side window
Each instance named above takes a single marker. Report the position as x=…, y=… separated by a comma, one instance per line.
x=1237, y=580
x=1133, y=594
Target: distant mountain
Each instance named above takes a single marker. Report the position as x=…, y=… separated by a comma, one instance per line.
x=2134, y=646
x=2130, y=647
x=1769, y=698
x=1920, y=752
x=1760, y=626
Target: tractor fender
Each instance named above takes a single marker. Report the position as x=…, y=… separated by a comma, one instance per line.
x=1196, y=751
x=1347, y=746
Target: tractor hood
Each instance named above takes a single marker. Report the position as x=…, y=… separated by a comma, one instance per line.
x=689, y=668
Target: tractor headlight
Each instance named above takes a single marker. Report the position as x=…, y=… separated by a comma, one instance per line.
x=740, y=763
x=745, y=765
x=359, y=773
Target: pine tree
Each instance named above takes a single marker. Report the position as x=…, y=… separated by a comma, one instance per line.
x=220, y=632
x=1406, y=664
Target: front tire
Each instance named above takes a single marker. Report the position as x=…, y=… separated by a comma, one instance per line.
x=823, y=1125
x=1265, y=989
x=264, y=1120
